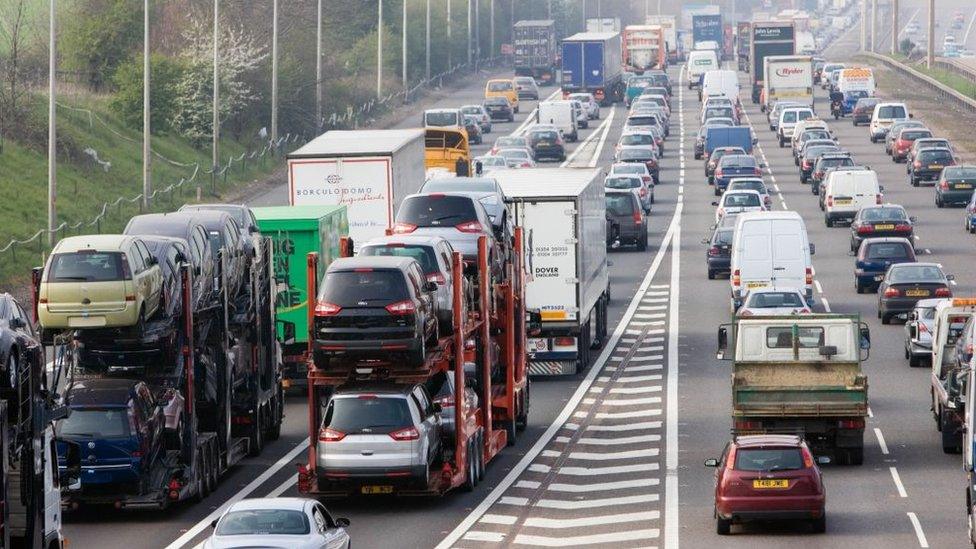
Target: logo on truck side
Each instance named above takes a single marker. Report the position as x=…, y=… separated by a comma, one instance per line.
x=333, y=179
x=788, y=71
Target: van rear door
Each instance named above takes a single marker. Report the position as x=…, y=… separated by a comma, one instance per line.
x=755, y=256
x=865, y=190
x=788, y=255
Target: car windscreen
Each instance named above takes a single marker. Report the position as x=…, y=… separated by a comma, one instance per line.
x=891, y=111
x=887, y=250
x=883, y=214
x=768, y=459
x=772, y=300
x=620, y=204
x=935, y=156
x=912, y=135
x=960, y=173
x=424, y=255
x=369, y=286
x=441, y=119
x=915, y=273
x=264, y=522
x=437, y=210
x=95, y=423
x=502, y=142
x=499, y=86
x=623, y=183
x=637, y=139
x=86, y=266
x=379, y=414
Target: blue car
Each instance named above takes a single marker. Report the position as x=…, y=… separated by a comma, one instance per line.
x=735, y=165
x=873, y=258
x=850, y=100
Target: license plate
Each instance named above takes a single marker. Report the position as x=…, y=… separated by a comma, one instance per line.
x=771, y=483
x=962, y=186
x=916, y=293
x=371, y=490
x=935, y=166
x=545, y=143
x=878, y=278
x=755, y=284
x=884, y=227
x=842, y=201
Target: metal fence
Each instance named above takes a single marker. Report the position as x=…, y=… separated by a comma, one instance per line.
x=941, y=90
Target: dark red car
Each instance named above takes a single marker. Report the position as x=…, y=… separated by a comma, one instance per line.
x=768, y=477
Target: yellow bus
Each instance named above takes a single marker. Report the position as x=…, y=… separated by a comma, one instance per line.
x=444, y=146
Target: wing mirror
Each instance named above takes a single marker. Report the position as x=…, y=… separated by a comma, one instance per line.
x=813, y=249
x=950, y=277
x=865, y=338
x=705, y=241
x=714, y=203
x=711, y=462
x=253, y=229
x=436, y=407
x=17, y=323
x=430, y=286
x=213, y=523
x=912, y=218
x=342, y=522
x=723, y=341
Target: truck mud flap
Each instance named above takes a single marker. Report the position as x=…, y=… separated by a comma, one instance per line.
x=552, y=368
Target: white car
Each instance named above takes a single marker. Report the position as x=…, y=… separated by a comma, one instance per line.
x=737, y=202
x=296, y=523
x=632, y=168
x=582, y=118
x=590, y=105
x=491, y=163
x=774, y=302
x=517, y=158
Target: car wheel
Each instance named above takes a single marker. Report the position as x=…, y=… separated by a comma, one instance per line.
x=711, y=274
x=723, y=527
x=819, y=526
x=828, y=222
x=782, y=142
x=471, y=478
x=255, y=435
x=938, y=202
x=479, y=462
x=913, y=361
x=642, y=243
x=885, y=319
x=950, y=438
x=858, y=287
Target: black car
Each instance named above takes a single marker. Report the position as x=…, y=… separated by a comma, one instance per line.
x=718, y=257
x=499, y=108
x=627, y=213
x=170, y=254
x=546, y=143
x=225, y=237
x=826, y=161
x=18, y=340
x=928, y=165
x=810, y=156
x=641, y=155
x=375, y=308
x=881, y=221
x=863, y=110
x=906, y=283
x=874, y=257
x=243, y=215
x=955, y=186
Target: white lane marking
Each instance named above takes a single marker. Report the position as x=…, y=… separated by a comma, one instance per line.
x=919, y=533
x=506, y=520
x=510, y=500
x=609, y=470
x=671, y=527
x=638, y=379
x=530, y=484
x=592, y=521
x=819, y=287
x=540, y=468
x=634, y=390
x=284, y=486
x=476, y=535
x=897, y=478
x=199, y=527
x=652, y=307
x=619, y=440
x=626, y=427
x=601, y=486
x=881, y=441
x=583, y=144
x=630, y=401
x=603, y=140
x=826, y=304
x=568, y=409
x=594, y=503
x=965, y=39
x=592, y=539
x=607, y=456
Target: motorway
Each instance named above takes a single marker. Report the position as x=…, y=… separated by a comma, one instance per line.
x=613, y=457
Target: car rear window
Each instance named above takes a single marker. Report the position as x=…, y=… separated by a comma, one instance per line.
x=641, y=121
x=768, y=459
x=623, y=183
x=835, y=162
x=636, y=154
x=915, y=273
x=95, y=423
x=499, y=86
x=379, y=414
x=471, y=110
x=915, y=134
x=264, y=522
x=960, y=173
x=887, y=250
x=441, y=119
x=629, y=168
x=891, y=111
x=767, y=300
x=781, y=337
x=440, y=210
x=509, y=142
x=424, y=255
x=539, y=135
x=742, y=200
x=620, y=204
x=738, y=160
x=371, y=287
x=935, y=156
x=883, y=214
x=86, y=266
x=637, y=139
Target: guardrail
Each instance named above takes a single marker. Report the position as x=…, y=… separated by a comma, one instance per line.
x=941, y=90
x=956, y=66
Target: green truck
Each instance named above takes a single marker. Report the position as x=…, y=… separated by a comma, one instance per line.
x=295, y=231
x=800, y=374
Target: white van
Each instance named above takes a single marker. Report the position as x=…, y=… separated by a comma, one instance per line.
x=770, y=250
x=720, y=83
x=788, y=120
x=700, y=62
x=562, y=114
x=847, y=191
x=886, y=114
x=443, y=118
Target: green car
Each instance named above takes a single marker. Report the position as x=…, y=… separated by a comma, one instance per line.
x=636, y=85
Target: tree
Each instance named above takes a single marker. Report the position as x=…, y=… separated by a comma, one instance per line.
x=14, y=23
x=99, y=35
x=166, y=74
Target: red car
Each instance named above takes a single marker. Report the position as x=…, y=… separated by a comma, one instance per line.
x=768, y=477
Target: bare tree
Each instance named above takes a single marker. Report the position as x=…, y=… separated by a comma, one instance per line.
x=13, y=24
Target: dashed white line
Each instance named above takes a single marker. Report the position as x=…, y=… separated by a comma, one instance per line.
x=897, y=478
x=818, y=286
x=826, y=303
x=919, y=533
x=881, y=441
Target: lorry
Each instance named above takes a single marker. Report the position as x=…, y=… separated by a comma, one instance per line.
x=488, y=340
x=732, y=136
x=688, y=11
x=592, y=62
x=768, y=38
x=949, y=373
x=294, y=232
x=368, y=171
x=562, y=211
x=214, y=374
x=787, y=77
x=643, y=48
x=743, y=39
x=603, y=24
x=728, y=41
x=536, y=50
x=706, y=29
x=668, y=27
x=800, y=374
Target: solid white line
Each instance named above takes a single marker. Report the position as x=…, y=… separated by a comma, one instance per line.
x=922, y=542
x=573, y=402
x=609, y=470
x=881, y=441
x=199, y=527
x=283, y=486
x=583, y=144
x=603, y=139
x=897, y=478
x=575, y=541
x=965, y=39
x=530, y=117
x=601, y=486
x=593, y=521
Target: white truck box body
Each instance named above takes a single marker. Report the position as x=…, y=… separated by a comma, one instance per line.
x=788, y=77
x=369, y=171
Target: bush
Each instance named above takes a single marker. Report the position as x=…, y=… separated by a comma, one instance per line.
x=166, y=73
x=906, y=46
x=98, y=36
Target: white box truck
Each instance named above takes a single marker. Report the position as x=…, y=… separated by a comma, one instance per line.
x=368, y=171
x=563, y=211
x=788, y=77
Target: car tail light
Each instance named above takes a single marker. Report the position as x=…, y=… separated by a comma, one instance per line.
x=806, y=164
x=643, y=191
x=714, y=250
x=130, y=298
x=646, y=178
x=404, y=228
x=851, y=423
x=718, y=172
x=922, y=327
x=903, y=228
x=638, y=217
x=877, y=199
x=892, y=292
x=405, y=307
x=445, y=401
x=864, y=229
x=944, y=185
x=711, y=164
x=758, y=171
x=818, y=175
x=469, y=227
x=917, y=164
x=435, y=277
x=807, y=458
x=730, y=460
x=563, y=341
x=408, y=433
x=737, y=278
x=324, y=308
x=943, y=292
x=136, y=453
x=330, y=435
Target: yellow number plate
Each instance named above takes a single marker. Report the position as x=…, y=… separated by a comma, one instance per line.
x=755, y=284
x=935, y=166
x=771, y=483
x=884, y=227
x=843, y=201
x=917, y=293
x=376, y=490
x=963, y=186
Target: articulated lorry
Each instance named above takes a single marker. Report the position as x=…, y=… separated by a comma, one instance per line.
x=536, y=51
x=644, y=48
x=668, y=25
x=592, y=62
x=800, y=374
x=768, y=38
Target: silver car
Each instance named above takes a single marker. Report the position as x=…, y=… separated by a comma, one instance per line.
x=434, y=255
x=527, y=87
x=296, y=523
x=379, y=437
x=441, y=387
x=590, y=104
x=644, y=191
x=918, y=332
x=480, y=114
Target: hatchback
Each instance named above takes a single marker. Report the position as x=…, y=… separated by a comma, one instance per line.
x=825, y=162
x=754, y=184
x=863, y=110
x=642, y=138
x=904, y=140
x=906, y=283
x=735, y=165
x=636, y=185
x=895, y=130
x=714, y=158
x=627, y=168
x=546, y=143
x=955, y=186
x=774, y=302
x=517, y=158
x=762, y=477
x=881, y=221
x=811, y=152
x=928, y=165
x=718, y=257
x=480, y=114
x=375, y=308
x=641, y=155
x=488, y=192
x=590, y=104
x=378, y=437
x=926, y=143
x=499, y=108
x=297, y=523
x=626, y=211
x=527, y=87
x=225, y=238
x=244, y=217
x=873, y=258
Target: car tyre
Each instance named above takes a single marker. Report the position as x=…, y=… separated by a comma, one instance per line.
x=858, y=287
x=255, y=435
x=939, y=203
x=723, y=527
x=819, y=526
x=471, y=478
x=711, y=274
x=913, y=361
x=885, y=319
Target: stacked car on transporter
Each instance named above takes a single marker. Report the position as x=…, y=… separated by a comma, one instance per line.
x=167, y=333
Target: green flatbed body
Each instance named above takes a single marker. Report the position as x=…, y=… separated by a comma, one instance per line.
x=806, y=389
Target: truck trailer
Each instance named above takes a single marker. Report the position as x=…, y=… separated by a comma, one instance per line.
x=768, y=38
x=644, y=48
x=788, y=77
x=592, y=62
x=563, y=212
x=707, y=28
x=536, y=52
x=668, y=27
